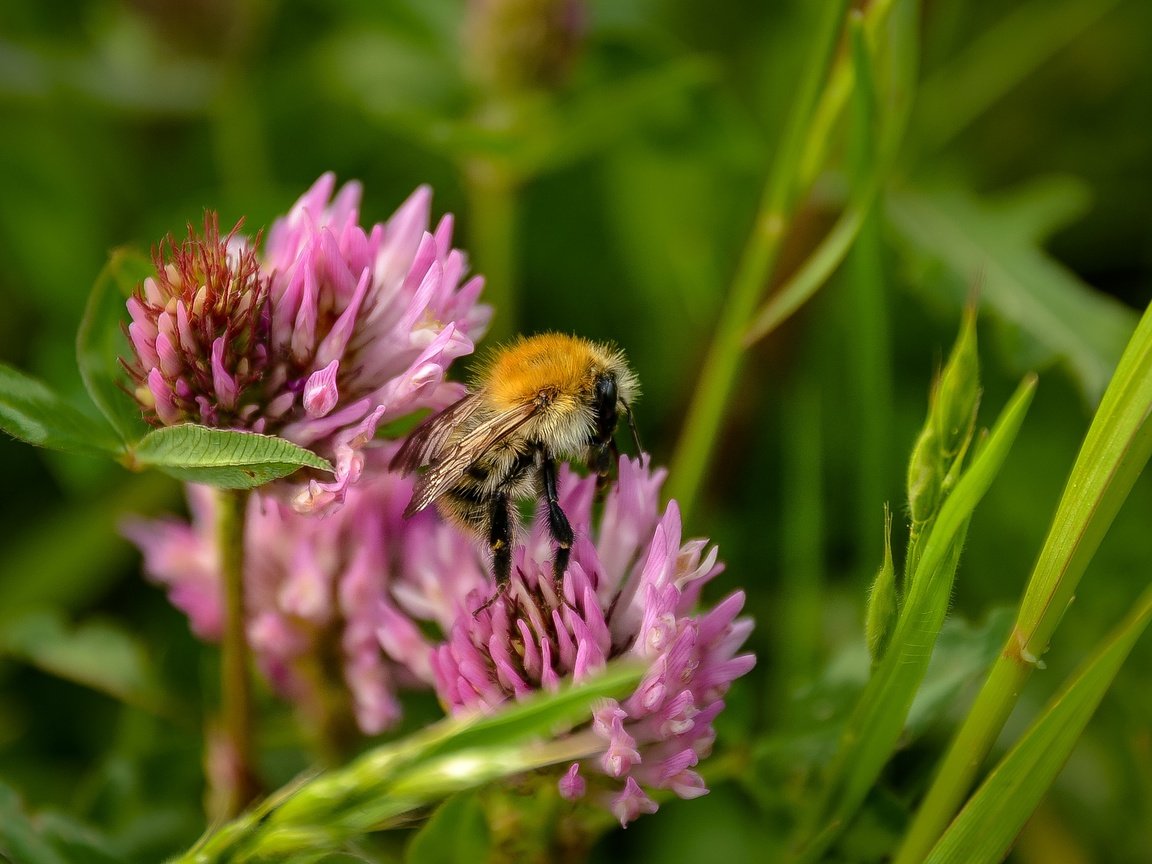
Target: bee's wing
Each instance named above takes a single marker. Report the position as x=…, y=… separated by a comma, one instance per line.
x=425, y=442
x=450, y=465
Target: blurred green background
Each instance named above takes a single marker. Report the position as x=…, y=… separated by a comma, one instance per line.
x=605, y=180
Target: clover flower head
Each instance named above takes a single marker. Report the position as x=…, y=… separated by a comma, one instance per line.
x=200, y=331
x=344, y=608
x=630, y=591
x=329, y=331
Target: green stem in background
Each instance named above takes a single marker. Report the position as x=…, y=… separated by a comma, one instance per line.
x=722, y=364
x=1115, y=451
x=834, y=97
x=864, y=318
x=237, y=132
x=885, y=106
x=493, y=209
x=992, y=65
x=873, y=729
x=869, y=381
x=798, y=629
x=235, y=779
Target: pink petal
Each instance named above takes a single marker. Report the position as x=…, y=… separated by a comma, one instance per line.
x=168, y=357
x=162, y=394
x=572, y=785
x=631, y=803
x=223, y=383
x=320, y=391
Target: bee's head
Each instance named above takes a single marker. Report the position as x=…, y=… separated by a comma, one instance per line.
x=608, y=401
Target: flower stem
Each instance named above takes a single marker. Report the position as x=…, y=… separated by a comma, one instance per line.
x=492, y=190
x=722, y=364
x=238, y=135
x=237, y=783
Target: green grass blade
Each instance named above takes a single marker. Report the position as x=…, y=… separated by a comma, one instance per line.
x=880, y=113
x=878, y=719
x=543, y=716
x=984, y=830
x=798, y=610
x=863, y=310
x=718, y=377
x=836, y=94
x=322, y=811
x=994, y=64
x=1114, y=453
x=816, y=270
x=834, y=248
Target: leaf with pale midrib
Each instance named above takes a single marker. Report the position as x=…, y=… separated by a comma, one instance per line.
x=225, y=458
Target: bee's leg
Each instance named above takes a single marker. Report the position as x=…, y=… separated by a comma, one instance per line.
x=558, y=525
x=500, y=538
x=605, y=459
x=500, y=543
x=635, y=432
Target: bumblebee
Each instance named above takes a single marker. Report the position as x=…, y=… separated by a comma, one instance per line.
x=541, y=399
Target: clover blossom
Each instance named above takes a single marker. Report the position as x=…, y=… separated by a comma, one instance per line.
x=328, y=332
x=629, y=591
x=318, y=591
x=343, y=611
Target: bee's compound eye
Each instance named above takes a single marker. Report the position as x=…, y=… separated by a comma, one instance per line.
x=604, y=397
x=605, y=393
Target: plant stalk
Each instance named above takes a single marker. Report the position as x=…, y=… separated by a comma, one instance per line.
x=235, y=780
x=493, y=209
x=757, y=262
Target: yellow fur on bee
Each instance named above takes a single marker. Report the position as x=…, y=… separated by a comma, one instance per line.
x=553, y=363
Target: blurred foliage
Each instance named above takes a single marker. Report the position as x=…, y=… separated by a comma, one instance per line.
x=614, y=204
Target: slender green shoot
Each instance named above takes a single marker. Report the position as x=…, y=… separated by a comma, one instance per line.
x=233, y=776
x=722, y=364
x=493, y=210
x=1114, y=453
x=389, y=785
x=874, y=727
x=1027, y=36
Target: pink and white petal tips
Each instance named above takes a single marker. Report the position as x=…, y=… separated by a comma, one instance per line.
x=631, y=803
x=320, y=391
x=288, y=235
x=528, y=641
x=328, y=331
x=572, y=785
x=630, y=511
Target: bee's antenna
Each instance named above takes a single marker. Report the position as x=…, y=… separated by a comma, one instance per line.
x=632, y=426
